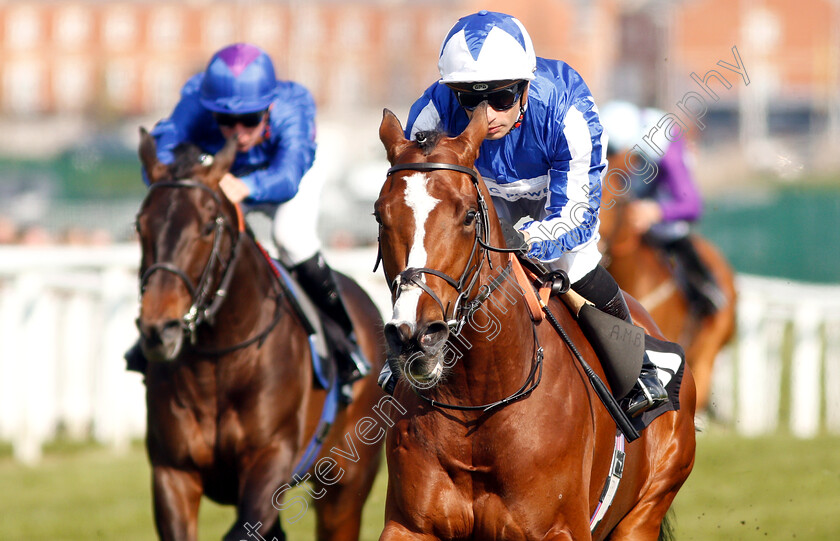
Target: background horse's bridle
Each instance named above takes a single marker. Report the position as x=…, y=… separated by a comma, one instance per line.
x=205, y=303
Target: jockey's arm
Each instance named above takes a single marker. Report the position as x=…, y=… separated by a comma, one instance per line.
x=681, y=200
x=574, y=187
x=291, y=152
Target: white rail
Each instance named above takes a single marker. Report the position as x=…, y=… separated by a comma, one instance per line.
x=785, y=362
x=67, y=316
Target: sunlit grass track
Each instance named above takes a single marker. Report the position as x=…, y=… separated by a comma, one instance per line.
x=758, y=489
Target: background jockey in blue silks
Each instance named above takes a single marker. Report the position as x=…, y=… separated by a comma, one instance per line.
x=665, y=205
x=543, y=159
x=273, y=122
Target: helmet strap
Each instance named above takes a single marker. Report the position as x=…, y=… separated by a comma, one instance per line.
x=521, y=116
x=267, y=131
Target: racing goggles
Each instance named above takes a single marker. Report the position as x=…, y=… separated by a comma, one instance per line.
x=249, y=120
x=500, y=100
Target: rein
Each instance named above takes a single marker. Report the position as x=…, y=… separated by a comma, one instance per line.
x=206, y=303
x=531, y=383
x=464, y=308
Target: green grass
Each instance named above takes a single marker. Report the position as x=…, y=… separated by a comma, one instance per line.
x=766, y=488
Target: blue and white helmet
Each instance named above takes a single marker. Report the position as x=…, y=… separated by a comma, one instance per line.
x=239, y=79
x=487, y=46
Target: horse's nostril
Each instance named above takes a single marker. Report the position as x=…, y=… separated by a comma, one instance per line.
x=170, y=330
x=433, y=338
x=397, y=336
x=156, y=334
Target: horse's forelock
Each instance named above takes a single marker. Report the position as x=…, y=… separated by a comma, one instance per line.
x=428, y=140
x=187, y=156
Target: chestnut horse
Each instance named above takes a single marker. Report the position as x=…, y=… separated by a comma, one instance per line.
x=643, y=271
x=232, y=406
x=503, y=435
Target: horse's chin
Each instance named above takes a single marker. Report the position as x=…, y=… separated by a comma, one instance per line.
x=423, y=372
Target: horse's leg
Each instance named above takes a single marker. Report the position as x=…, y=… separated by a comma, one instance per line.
x=255, y=530
x=394, y=531
x=703, y=350
x=340, y=508
x=262, y=487
x=715, y=330
x=671, y=441
x=177, y=495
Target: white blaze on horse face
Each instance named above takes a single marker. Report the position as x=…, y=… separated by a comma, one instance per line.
x=418, y=199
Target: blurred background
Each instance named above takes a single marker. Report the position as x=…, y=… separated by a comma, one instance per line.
x=78, y=77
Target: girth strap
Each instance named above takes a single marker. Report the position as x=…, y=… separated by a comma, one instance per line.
x=611, y=484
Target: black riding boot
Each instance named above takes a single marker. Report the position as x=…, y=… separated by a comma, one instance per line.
x=649, y=393
x=600, y=288
x=318, y=280
x=703, y=288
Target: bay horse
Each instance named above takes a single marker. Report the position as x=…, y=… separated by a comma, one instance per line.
x=503, y=435
x=233, y=412
x=643, y=271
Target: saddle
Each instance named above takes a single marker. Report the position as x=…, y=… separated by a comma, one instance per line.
x=323, y=332
x=620, y=345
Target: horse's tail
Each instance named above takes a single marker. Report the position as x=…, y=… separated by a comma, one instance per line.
x=666, y=528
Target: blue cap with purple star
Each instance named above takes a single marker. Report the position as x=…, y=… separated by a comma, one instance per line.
x=239, y=79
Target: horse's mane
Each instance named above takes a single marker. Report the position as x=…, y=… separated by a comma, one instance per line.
x=427, y=140
x=187, y=156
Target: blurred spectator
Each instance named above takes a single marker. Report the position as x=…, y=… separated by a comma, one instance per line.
x=9, y=231
x=79, y=236
x=35, y=235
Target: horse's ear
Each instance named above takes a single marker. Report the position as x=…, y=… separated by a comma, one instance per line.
x=475, y=132
x=391, y=135
x=223, y=160
x=148, y=157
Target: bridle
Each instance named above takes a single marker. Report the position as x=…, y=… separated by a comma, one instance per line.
x=205, y=302
x=463, y=307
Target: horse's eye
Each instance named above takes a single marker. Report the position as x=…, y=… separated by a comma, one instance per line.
x=377, y=217
x=470, y=218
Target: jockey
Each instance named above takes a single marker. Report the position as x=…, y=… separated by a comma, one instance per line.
x=542, y=160
x=273, y=123
x=663, y=206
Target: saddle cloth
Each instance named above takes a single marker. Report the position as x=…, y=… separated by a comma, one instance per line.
x=323, y=363
x=669, y=359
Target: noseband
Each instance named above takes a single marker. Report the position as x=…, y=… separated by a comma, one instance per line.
x=205, y=303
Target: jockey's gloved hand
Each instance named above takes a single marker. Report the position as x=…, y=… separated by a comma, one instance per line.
x=513, y=237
